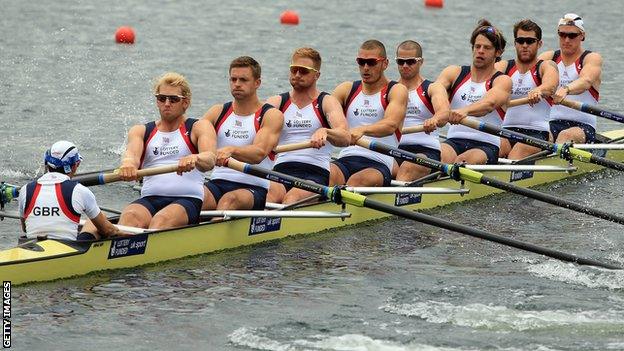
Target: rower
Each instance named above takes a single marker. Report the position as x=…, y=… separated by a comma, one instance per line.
x=479, y=91
x=51, y=205
x=248, y=131
x=309, y=114
x=533, y=79
x=427, y=105
x=374, y=107
x=579, y=80
x=168, y=200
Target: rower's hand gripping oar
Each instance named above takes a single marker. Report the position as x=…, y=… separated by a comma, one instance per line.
x=594, y=110
x=103, y=178
x=461, y=173
x=339, y=195
x=565, y=151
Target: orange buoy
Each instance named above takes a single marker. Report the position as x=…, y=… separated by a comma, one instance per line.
x=289, y=17
x=434, y=3
x=124, y=35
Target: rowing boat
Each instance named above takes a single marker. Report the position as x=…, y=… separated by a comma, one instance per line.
x=44, y=260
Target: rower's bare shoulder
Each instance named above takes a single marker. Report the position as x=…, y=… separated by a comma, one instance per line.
x=213, y=113
x=342, y=90
x=501, y=65
x=137, y=130
x=593, y=58
x=274, y=100
x=546, y=55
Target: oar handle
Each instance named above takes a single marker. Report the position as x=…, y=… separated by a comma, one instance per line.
x=292, y=147
x=518, y=102
x=413, y=129
x=576, y=105
x=103, y=178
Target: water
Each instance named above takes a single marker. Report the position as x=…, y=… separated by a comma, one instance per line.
x=388, y=285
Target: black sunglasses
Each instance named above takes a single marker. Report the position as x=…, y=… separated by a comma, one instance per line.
x=526, y=40
x=368, y=61
x=172, y=98
x=410, y=61
x=563, y=35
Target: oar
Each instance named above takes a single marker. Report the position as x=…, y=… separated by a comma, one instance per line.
x=461, y=173
x=292, y=147
x=594, y=110
x=566, y=151
x=103, y=178
x=340, y=195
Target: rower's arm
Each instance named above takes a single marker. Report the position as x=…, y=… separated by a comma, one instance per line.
x=342, y=92
x=274, y=101
x=337, y=134
x=448, y=76
x=204, y=133
x=546, y=55
x=393, y=117
x=496, y=97
x=589, y=76
x=132, y=157
x=104, y=226
x=550, y=78
x=440, y=102
x=265, y=141
x=212, y=114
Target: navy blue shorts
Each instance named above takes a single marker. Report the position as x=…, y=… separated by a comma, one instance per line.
x=350, y=165
x=219, y=187
x=462, y=145
x=557, y=125
x=304, y=171
x=538, y=134
x=156, y=203
x=419, y=149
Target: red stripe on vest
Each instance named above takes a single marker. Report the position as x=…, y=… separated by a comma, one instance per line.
x=357, y=91
x=147, y=143
x=286, y=105
x=459, y=85
x=64, y=208
x=187, y=138
x=225, y=116
x=421, y=94
x=384, y=99
x=257, y=119
x=33, y=200
x=512, y=70
x=317, y=112
x=594, y=93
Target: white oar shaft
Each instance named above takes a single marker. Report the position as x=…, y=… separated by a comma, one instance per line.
x=537, y=168
x=406, y=190
x=599, y=146
x=275, y=214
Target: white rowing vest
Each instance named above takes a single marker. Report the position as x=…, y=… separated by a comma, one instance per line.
x=235, y=130
x=420, y=109
x=52, y=206
x=525, y=116
x=568, y=74
x=299, y=125
x=362, y=109
x=465, y=92
x=167, y=148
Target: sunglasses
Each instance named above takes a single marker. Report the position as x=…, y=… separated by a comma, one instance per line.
x=563, y=35
x=526, y=40
x=409, y=60
x=368, y=61
x=172, y=98
x=303, y=70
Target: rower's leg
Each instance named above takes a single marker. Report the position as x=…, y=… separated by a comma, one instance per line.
x=276, y=193
x=240, y=199
x=505, y=147
x=409, y=171
x=574, y=134
x=295, y=194
x=472, y=157
x=366, y=177
x=521, y=151
x=335, y=175
x=135, y=215
x=209, y=200
x=171, y=216
x=447, y=153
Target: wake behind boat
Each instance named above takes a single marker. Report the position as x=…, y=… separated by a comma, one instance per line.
x=44, y=260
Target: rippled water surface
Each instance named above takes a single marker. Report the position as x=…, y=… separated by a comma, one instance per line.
x=386, y=285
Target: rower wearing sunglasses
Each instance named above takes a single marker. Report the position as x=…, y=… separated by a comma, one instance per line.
x=375, y=108
x=480, y=91
x=532, y=78
x=247, y=130
x=168, y=200
x=579, y=80
x=427, y=105
x=309, y=114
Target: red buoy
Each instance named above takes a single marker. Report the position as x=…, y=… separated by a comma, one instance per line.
x=124, y=35
x=289, y=17
x=434, y=3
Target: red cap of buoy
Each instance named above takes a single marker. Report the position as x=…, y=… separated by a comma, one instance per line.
x=434, y=3
x=124, y=35
x=289, y=17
